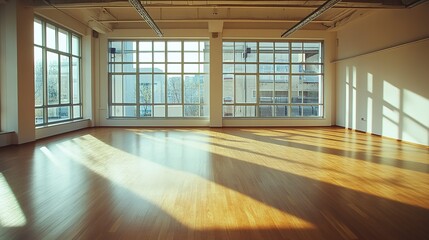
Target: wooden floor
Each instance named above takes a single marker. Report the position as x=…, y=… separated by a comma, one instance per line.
x=252, y=183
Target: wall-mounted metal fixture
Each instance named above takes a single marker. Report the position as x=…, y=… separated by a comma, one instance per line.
x=319, y=11
x=145, y=15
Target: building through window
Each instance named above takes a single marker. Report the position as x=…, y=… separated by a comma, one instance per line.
x=57, y=73
x=272, y=79
x=155, y=78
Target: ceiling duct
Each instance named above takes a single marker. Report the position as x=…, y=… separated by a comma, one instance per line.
x=319, y=11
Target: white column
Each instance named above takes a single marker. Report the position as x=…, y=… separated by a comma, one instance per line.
x=216, y=80
x=17, y=77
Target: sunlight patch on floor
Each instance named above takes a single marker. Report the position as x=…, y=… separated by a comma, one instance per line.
x=11, y=214
x=169, y=189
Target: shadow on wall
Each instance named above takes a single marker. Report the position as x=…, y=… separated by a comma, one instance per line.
x=387, y=94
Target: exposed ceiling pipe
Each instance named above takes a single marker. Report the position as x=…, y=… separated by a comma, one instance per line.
x=319, y=11
x=145, y=15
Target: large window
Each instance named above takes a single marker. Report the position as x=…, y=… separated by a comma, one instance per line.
x=158, y=78
x=57, y=70
x=272, y=79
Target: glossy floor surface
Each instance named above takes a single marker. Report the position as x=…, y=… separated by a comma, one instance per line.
x=252, y=183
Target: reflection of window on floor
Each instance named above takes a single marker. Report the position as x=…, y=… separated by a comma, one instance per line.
x=57, y=69
x=155, y=78
x=272, y=79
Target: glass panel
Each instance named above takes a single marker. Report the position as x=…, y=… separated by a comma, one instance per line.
x=297, y=86
x=65, y=79
x=145, y=56
x=129, y=88
x=38, y=76
x=296, y=111
x=145, y=110
x=39, y=116
x=145, y=68
x=297, y=53
x=266, y=88
x=56, y=114
x=191, y=57
x=115, y=50
x=174, y=68
x=228, y=111
x=228, y=89
x=310, y=111
x=159, y=56
x=63, y=40
x=159, y=111
x=76, y=79
x=228, y=68
x=145, y=88
x=311, y=89
x=192, y=110
x=174, y=46
x=159, y=46
x=130, y=50
x=312, y=52
x=190, y=46
x=312, y=68
x=52, y=78
x=174, y=56
x=298, y=68
x=75, y=45
x=266, y=111
x=77, y=112
x=192, y=91
x=245, y=88
x=266, y=68
x=51, y=36
x=204, y=110
x=281, y=89
x=245, y=111
x=130, y=111
x=282, y=68
x=116, y=88
x=159, y=88
x=281, y=52
x=174, y=89
x=145, y=46
x=117, y=111
x=281, y=111
x=175, y=111
x=190, y=68
x=129, y=68
x=228, y=52
x=38, y=32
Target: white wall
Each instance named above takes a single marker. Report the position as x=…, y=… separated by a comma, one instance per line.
x=216, y=78
x=383, y=74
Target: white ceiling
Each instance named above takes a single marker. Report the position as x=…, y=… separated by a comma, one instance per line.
x=198, y=14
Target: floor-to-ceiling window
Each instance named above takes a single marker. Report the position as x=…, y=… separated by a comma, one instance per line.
x=57, y=73
x=272, y=79
x=158, y=78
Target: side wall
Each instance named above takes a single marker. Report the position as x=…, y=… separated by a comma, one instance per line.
x=383, y=74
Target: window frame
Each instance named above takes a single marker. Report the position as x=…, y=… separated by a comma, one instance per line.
x=203, y=61
x=229, y=72
x=74, y=100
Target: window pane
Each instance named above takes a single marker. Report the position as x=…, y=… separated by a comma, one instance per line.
x=174, y=89
x=190, y=68
x=38, y=32
x=130, y=111
x=266, y=88
x=228, y=89
x=63, y=40
x=56, y=114
x=158, y=46
x=174, y=46
x=130, y=50
x=77, y=112
x=192, y=110
x=175, y=111
x=159, y=88
x=146, y=88
x=65, y=79
x=310, y=111
x=297, y=53
x=297, y=85
x=51, y=36
x=245, y=111
x=115, y=50
x=75, y=45
x=192, y=89
x=145, y=56
x=191, y=57
x=311, y=89
x=38, y=76
x=116, y=88
x=174, y=56
x=296, y=111
x=159, y=111
x=145, y=110
x=190, y=46
x=266, y=111
x=117, y=111
x=39, y=116
x=228, y=111
x=145, y=46
x=312, y=52
x=76, y=79
x=245, y=89
x=174, y=68
x=53, y=78
x=281, y=111
x=159, y=56
x=129, y=88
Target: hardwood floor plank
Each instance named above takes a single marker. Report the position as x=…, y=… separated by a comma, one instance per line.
x=229, y=183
